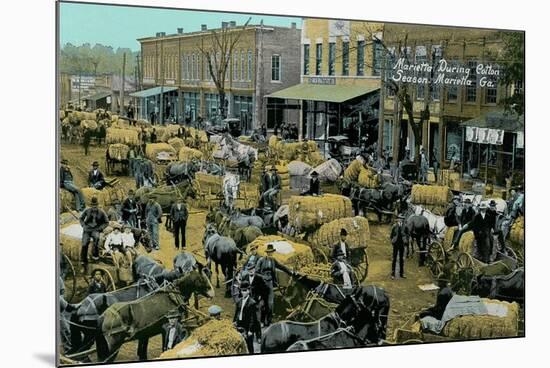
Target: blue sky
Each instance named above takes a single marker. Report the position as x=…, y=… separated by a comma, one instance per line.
x=120, y=26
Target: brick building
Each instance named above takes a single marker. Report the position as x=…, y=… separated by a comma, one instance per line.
x=264, y=60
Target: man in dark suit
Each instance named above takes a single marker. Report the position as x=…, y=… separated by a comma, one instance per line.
x=341, y=271
x=266, y=268
x=467, y=215
x=398, y=239
x=95, y=177
x=482, y=225
x=273, y=185
x=314, y=185
x=93, y=221
x=178, y=215
x=172, y=332
x=66, y=181
x=130, y=210
x=97, y=285
x=341, y=247
x=246, y=317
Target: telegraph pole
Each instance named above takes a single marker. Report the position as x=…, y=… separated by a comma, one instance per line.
x=161, y=120
x=122, y=83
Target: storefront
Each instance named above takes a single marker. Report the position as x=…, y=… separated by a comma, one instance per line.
x=492, y=147
x=148, y=103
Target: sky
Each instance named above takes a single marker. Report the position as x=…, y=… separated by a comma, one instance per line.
x=120, y=26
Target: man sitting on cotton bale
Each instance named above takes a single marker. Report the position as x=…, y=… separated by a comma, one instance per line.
x=341, y=271
x=113, y=241
x=93, y=220
x=95, y=177
x=341, y=247
x=66, y=181
x=314, y=185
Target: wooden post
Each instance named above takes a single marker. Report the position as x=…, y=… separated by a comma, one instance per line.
x=122, y=83
x=161, y=116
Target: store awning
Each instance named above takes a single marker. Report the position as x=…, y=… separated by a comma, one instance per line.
x=152, y=92
x=97, y=96
x=498, y=119
x=327, y=93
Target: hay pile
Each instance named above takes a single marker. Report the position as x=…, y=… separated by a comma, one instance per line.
x=186, y=154
x=90, y=124
x=283, y=172
x=320, y=271
x=70, y=237
x=202, y=134
x=517, y=233
x=152, y=150
x=431, y=195
x=143, y=123
x=368, y=178
x=118, y=151
x=353, y=170
x=447, y=177
x=81, y=115
x=214, y=338
x=329, y=234
x=485, y=326
x=305, y=151
x=168, y=131
x=466, y=243
x=66, y=200
x=310, y=212
x=105, y=197
x=291, y=254
x=176, y=143
x=329, y=171
x=126, y=136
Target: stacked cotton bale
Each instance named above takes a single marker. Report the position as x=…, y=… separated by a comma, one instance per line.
x=282, y=170
x=118, y=151
x=329, y=234
x=306, y=151
x=105, y=197
x=447, y=177
x=143, y=124
x=70, y=237
x=202, y=134
x=187, y=154
x=177, y=143
x=90, y=124
x=152, y=150
x=291, y=254
x=351, y=173
x=81, y=115
x=214, y=338
x=517, y=233
x=329, y=170
x=313, y=211
x=467, y=240
x=169, y=131
x=209, y=183
x=368, y=178
x=431, y=195
x=485, y=326
x=125, y=136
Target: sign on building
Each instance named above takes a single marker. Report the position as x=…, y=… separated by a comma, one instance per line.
x=322, y=80
x=484, y=135
x=82, y=83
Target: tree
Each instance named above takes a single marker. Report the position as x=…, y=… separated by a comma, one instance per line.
x=513, y=68
x=217, y=49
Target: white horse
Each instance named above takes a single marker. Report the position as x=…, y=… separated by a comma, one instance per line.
x=437, y=223
x=231, y=185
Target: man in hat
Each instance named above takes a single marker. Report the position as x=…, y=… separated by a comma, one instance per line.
x=246, y=317
x=341, y=246
x=114, y=213
x=215, y=312
x=467, y=214
x=264, y=186
x=130, y=210
x=498, y=227
x=274, y=185
x=341, y=271
x=86, y=139
x=266, y=268
x=451, y=217
x=314, y=184
x=172, y=332
x=66, y=182
x=482, y=225
x=97, y=285
x=179, y=215
x=399, y=237
x=253, y=257
x=424, y=166
x=95, y=177
x=153, y=217
x=93, y=221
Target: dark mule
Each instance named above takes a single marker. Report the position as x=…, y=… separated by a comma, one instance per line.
x=510, y=287
x=418, y=229
x=143, y=318
x=341, y=338
x=223, y=252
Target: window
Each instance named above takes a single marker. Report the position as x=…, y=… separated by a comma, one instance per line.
x=188, y=68
x=388, y=135
x=249, y=74
x=194, y=66
x=436, y=89
x=518, y=87
x=345, y=58
x=306, y=59
x=331, y=57
x=318, y=58
x=236, y=66
x=212, y=104
x=421, y=58
x=361, y=57
x=275, y=68
x=471, y=90
x=377, y=54
x=242, y=66
x=183, y=68
x=491, y=90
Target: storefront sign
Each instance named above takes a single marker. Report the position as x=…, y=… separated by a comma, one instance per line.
x=82, y=83
x=484, y=135
x=322, y=80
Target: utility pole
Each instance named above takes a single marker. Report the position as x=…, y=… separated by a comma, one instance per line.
x=122, y=83
x=161, y=82
x=259, y=78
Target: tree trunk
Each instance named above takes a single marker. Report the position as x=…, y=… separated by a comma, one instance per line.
x=221, y=94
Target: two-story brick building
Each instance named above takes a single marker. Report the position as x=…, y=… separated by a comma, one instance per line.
x=263, y=60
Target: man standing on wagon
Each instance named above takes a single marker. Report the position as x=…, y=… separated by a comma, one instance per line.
x=266, y=267
x=93, y=221
x=341, y=247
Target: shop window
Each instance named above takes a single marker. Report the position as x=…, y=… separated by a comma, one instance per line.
x=361, y=57
x=453, y=141
x=318, y=58
x=275, y=67
x=345, y=58
x=471, y=90
x=306, y=59
x=331, y=57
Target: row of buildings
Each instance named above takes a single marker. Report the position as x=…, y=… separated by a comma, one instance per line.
x=331, y=78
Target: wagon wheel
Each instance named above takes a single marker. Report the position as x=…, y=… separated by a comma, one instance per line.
x=361, y=270
x=512, y=254
x=109, y=281
x=70, y=280
x=412, y=341
x=464, y=260
x=319, y=255
x=462, y=273
x=436, y=258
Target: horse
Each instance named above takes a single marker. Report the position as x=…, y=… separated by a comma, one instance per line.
x=142, y=319
x=178, y=172
x=245, y=161
x=241, y=220
x=509, y=287
x=438, y=227
x=418, y=229
x=365, y=309
x=223, y=251
x=341, y=338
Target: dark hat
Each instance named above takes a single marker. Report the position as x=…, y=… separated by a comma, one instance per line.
x=173, y=314
x=492, y=203
x=250, y=266
x=95, y=163
x=314, y=173
x=467, y=200
x=100, y=270
x=94, y=201
x=245, y=285
x=270, y=248
x=64, y=162
x=274, y=168
x=343, y=231
x=131, y=191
